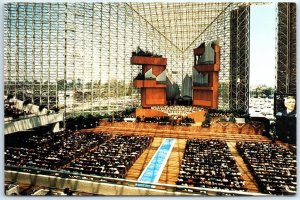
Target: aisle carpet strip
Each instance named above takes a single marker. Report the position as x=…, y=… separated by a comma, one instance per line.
x=156, y=165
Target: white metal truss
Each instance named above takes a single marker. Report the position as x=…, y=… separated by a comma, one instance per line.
x=286, y=48
x=77, y=55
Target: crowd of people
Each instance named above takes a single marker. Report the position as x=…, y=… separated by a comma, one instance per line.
x=12, y=113
x=206, y=163
x=113, y=158
x=273, y=166
x=177, y=110
x=52, y=150
x=74, y=151
x=167, y=120
x=209, y=164
x=226, y=115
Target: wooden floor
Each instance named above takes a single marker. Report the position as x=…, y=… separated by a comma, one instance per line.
x=180, y=134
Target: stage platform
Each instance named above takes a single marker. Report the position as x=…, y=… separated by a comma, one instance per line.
x=218, y=130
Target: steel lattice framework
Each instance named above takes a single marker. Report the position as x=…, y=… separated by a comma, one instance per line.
x=77, y=55
x=239, y=58
x=286, y=48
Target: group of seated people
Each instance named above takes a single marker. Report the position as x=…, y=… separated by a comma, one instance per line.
x=23, y=107
x=225, y=114
x=206, y=163
x=52, y=150
x=113, y=158
x=167, y=120
x=223, y=117
x=177, y=110
x=209, y=164
x=273, y=166
x=12, y=113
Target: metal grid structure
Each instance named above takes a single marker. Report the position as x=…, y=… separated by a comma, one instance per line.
x=286, y=48
x=77, y=55
x=240, y=58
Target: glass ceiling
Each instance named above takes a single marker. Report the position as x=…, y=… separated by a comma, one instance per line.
x=183, y=23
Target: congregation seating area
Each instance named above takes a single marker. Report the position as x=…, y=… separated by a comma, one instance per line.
x=51, y=150
x=205, y=163
x=113, y=158
x=272, y=165
x=177, y=110
x=209, y=164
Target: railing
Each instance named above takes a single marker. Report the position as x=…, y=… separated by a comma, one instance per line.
x=31, y=122
x=22, y=117
x=163, y=188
